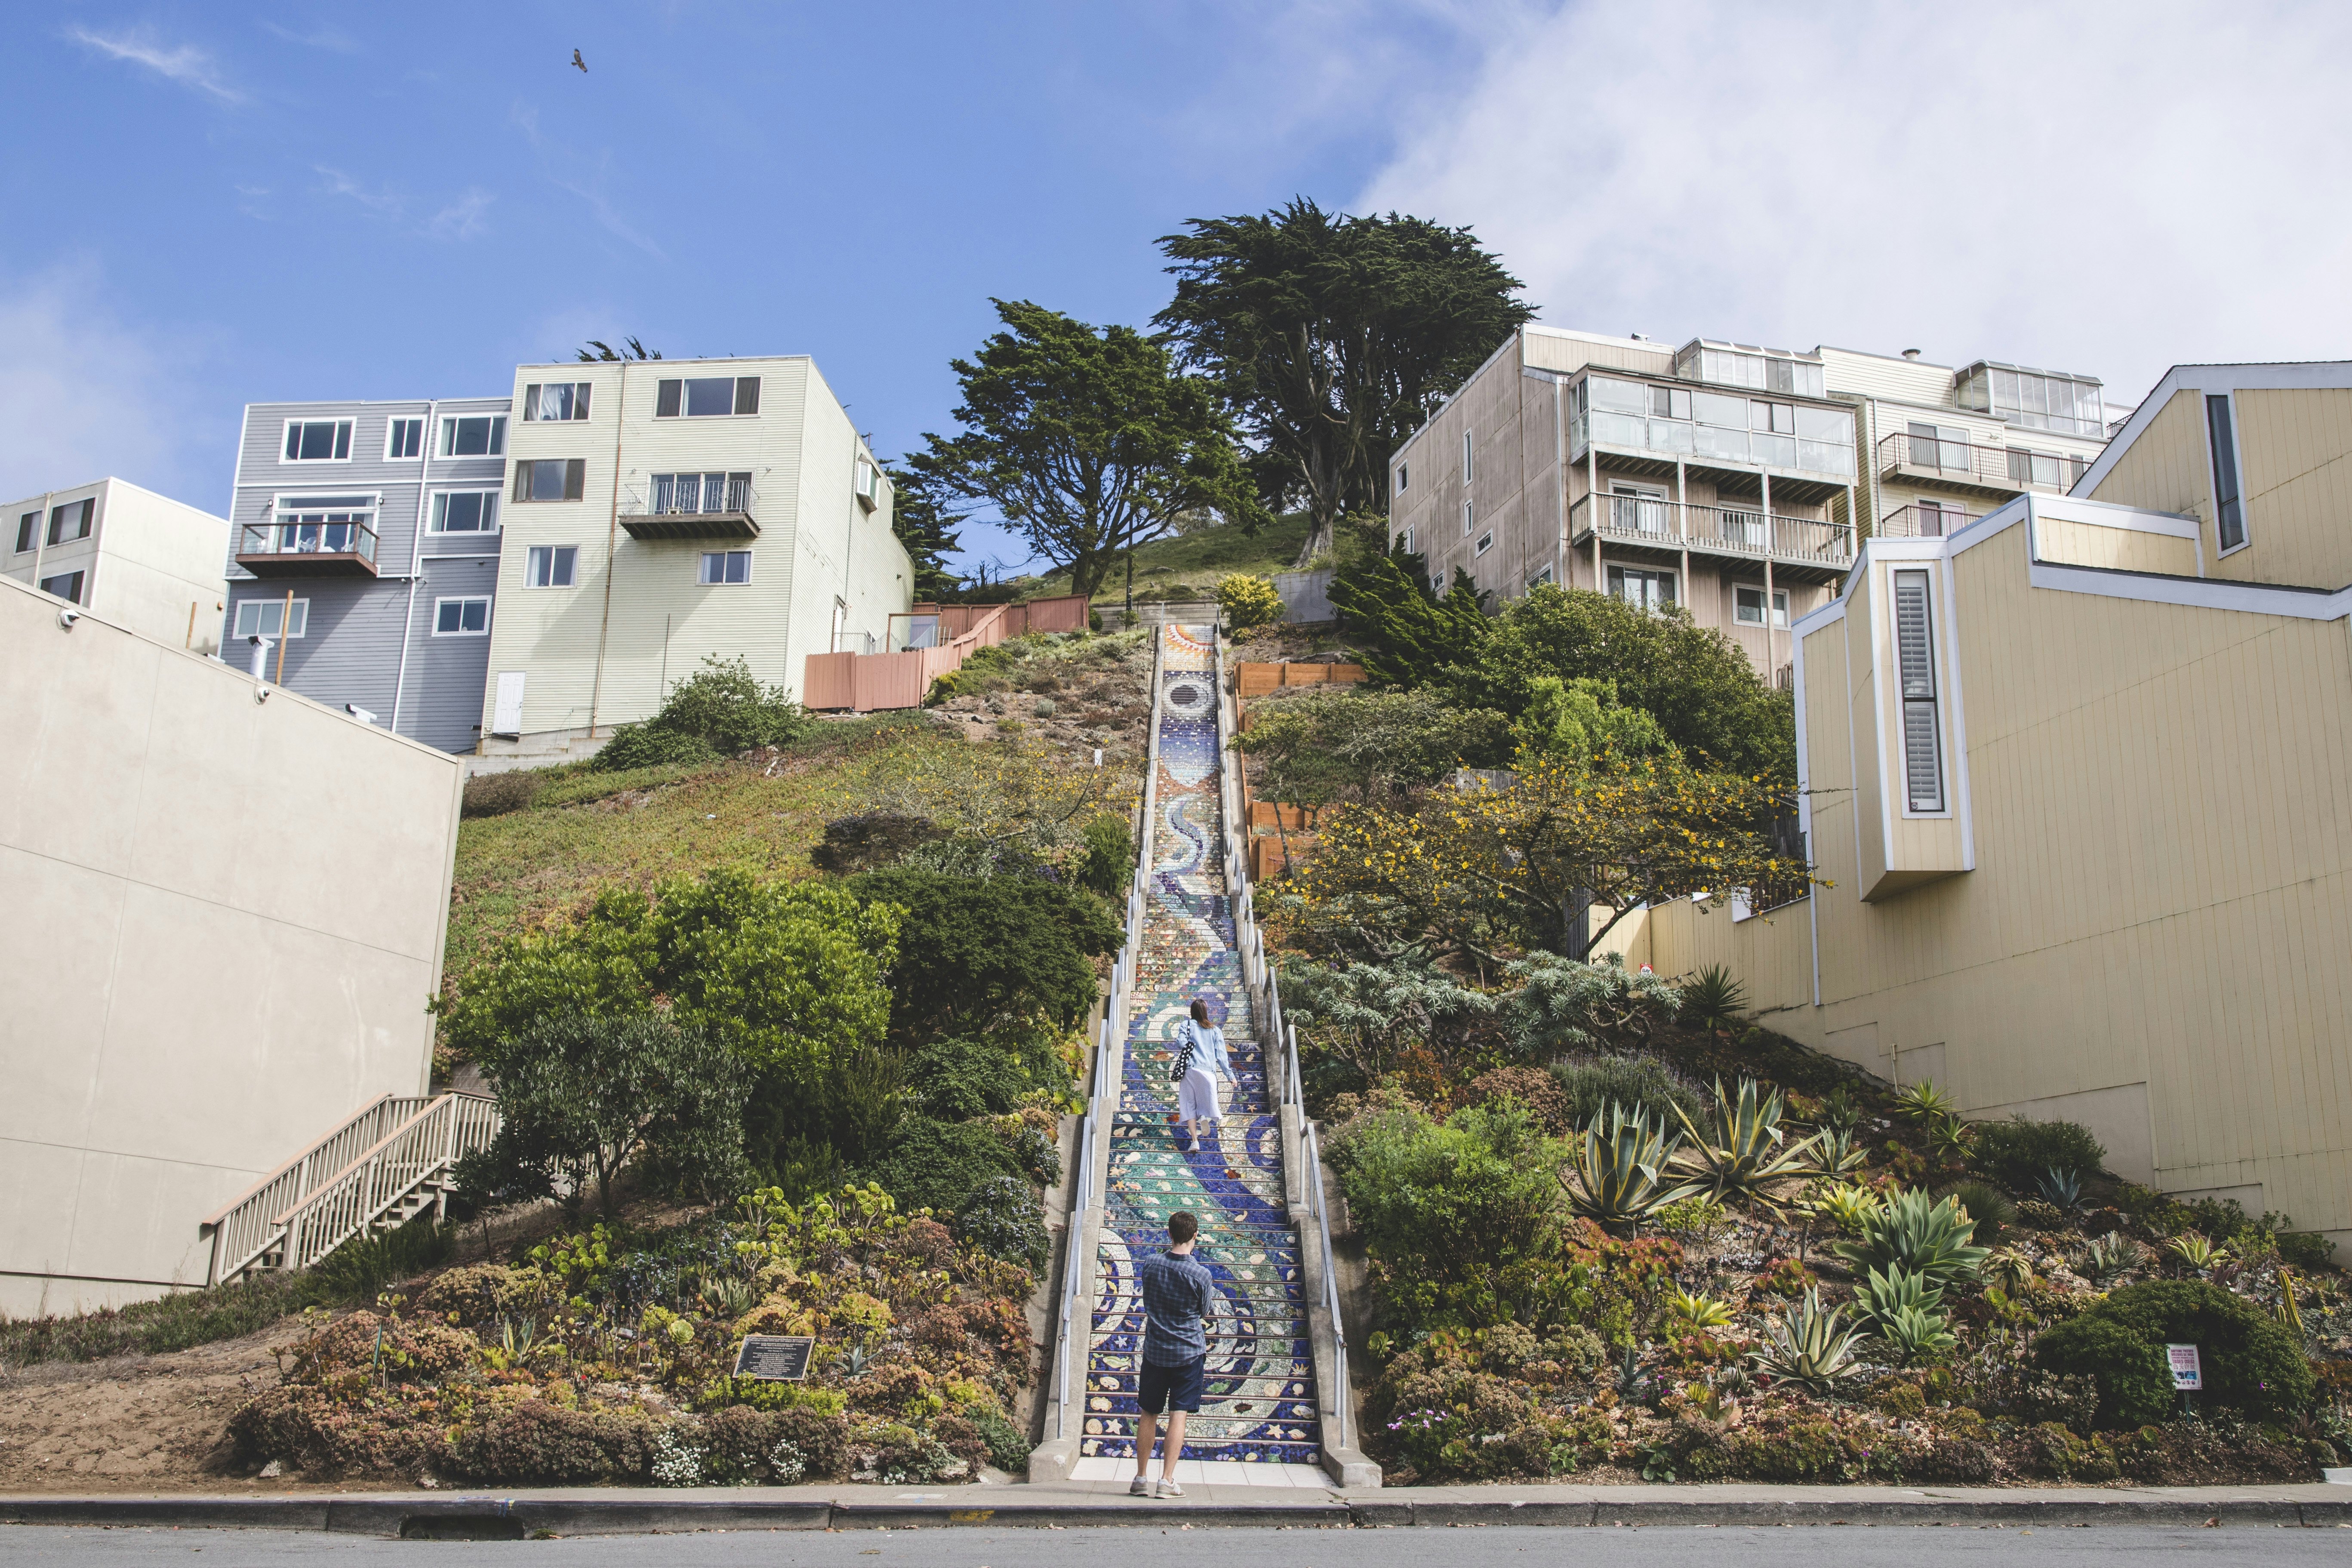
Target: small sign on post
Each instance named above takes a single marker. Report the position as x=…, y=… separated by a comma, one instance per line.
x=2188, y=1374
x=777, y=1358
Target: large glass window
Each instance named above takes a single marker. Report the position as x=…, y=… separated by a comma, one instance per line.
x=1674, y=421
x=474, y=435
x=2229, y=510
x=1766, y=371
x=549, y=566
x=318, y=440
x=266, y=618
x=555, y=400
x=1644, y=590
x=727, y=566
x=461, y=617
x=71, y=520
x=551, y=478
x=325, y=525
x=2037, y=399
x=466, y=512
x=66, y=585
x=1747, y=606
x=702, y=398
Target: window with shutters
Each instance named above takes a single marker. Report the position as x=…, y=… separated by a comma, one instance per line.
x=1915, y=654
x=2229, y=508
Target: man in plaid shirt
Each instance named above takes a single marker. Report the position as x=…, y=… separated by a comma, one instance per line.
x=1178, y=1298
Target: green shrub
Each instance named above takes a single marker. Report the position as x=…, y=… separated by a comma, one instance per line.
x=1002, y=1219
x=939, y=1164
x=535, y=1443
x=494, y=794
x=2250, y=1362
x=1563, y=1005
x=1462, y=1218
x=1247, y=601
x=976, y=951
x=1008, y=1447
x=955, y=1080
x=869, y=841
x=360, y=1269
x=2304, y=1248
x=1636, y=1082
x=645, y=746
x=2018, y=1153
x=1713, y=999
x=1108, y=864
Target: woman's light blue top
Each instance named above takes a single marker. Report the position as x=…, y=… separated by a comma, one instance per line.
x=1208, y=1048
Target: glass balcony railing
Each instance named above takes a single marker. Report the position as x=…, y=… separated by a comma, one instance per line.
x=1710, y=427
x=1923, y=520
x=1716, y=528
x=283, y=542
x=1943, y=456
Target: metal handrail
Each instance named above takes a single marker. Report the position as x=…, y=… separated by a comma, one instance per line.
x=2006, y=468
x=1916, y=522
x=295, y=536
x=1736, y=530
x=1340, y=1400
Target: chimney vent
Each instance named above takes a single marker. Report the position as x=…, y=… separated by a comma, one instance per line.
x=1910, y=353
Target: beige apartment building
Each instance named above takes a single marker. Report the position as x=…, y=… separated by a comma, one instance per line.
x=143, y=560
x=1723, y=477
x=2078, y=778
x=233, y=902
x=661, y=511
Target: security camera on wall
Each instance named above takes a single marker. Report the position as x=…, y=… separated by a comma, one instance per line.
x=66, y=618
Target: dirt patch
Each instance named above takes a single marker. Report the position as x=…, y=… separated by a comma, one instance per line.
x=135, y=1423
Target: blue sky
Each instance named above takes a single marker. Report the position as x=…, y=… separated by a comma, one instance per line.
x=214, y=203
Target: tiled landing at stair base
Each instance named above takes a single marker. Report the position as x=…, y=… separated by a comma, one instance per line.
x=1208, y=1473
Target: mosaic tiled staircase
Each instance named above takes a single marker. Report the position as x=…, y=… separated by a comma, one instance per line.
x=1259, y=1407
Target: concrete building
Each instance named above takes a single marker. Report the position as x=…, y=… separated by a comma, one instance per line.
x=234, y=902
x=658, y=512
x=2079, y=777
x=143, y=560
x=365, y=556
x=1723, y=477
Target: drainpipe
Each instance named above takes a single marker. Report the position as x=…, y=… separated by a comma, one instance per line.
x=416, y=555
x=611, y=549
x=41, y=535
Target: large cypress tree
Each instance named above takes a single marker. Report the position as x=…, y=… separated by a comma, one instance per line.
x=1335, y=338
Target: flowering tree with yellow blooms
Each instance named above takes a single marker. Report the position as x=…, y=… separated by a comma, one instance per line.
x=1469, y=873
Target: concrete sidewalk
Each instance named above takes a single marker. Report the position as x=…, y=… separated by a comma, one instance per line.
x=616, y=1510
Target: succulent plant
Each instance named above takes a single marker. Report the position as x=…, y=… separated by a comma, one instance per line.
x=1811, y=1346
x=1886, y=1292
x=1692, y=1312
x=1616, y=1172
x=1735, y=1147
x=1915, y=1334
x=2062, y=1189
x=1923, y=1102
x=1928, y=1237
x=2194, y=1252
x=1845, y=1206
x=1838, y=1150
x=2109, y=1257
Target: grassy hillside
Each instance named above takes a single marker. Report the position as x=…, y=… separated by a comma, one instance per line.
x=1186, y=566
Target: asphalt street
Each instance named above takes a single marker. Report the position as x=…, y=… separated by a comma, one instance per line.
x=49, y=1546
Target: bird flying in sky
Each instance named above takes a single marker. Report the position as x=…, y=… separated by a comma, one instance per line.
x=581, y=63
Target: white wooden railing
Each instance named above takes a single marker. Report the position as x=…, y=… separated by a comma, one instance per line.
x=346, y=1182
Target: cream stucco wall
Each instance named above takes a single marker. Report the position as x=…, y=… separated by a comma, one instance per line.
x=2156, y=777
x=149, y=562
x=230, y=918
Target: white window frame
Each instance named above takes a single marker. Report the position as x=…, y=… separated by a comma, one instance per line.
x=734, y=397
x=348, y=441
x=392, y=429
x=1539, y=579
x=1466, y=523
x=2237, y=461
x=440, y=503
x=1663, y=573
x=541, y=560
x=1776, y=617
x=582, y=399
x=1404, y=478
x=79, y=579
x=1437, y=583
x=446, y=438
x=1466, y=458
x=482, y=599
x=1485, y=542
x=703, y=580
x=260, y=602
x=1405, y=538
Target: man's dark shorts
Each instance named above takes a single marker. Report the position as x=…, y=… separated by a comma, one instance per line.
x=1161, y=1389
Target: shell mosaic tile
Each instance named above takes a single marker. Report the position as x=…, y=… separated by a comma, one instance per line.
x=1259, y=1406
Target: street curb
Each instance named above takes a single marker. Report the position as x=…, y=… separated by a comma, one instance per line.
x=512, y=1517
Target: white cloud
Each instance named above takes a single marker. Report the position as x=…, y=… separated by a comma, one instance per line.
x=2104, y=189
x=324, y=39
x=185, y=64
x=382, y=200
x=461, y=219
x=588, y=186
x=82, y=395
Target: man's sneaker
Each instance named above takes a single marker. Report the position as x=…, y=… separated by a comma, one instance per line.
x=1169, y=1488
x=1138, y=1487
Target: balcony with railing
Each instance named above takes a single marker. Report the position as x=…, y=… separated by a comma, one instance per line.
x=1923, y=520
x=1662, y=426
x=1713, y=528
x=692, y=506
x=308, y=546
x=2002, y=470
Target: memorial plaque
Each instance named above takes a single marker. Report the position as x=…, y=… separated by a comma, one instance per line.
x=2188, y=1369
x=782, y=1358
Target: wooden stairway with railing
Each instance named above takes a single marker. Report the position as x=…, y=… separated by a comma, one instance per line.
x=381, y=1168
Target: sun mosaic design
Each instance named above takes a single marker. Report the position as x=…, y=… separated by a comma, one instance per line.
x=1259, y=1402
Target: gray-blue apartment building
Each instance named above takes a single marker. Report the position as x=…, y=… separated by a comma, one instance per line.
x=363, y=553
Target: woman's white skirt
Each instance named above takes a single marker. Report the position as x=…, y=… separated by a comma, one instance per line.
x=1196, y=1097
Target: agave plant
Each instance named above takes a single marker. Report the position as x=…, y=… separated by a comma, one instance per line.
x=2194, y=1252
x=1840, y=1111
x=1693, y=1312
x=2011, y=1267
x=1712, y=999
x=1837, y=1150
x=1634, y=1382
x=1811, y=1346
x=1924, y=1103
x=1616, y=1171
x=1886, y=1292
x=1739, y=1150
x=1845, y=1206
x=2111, y=1256
x=1949, y=1139
x=2062, y=1189
x=1931, y=1238
x=1915, y=1333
